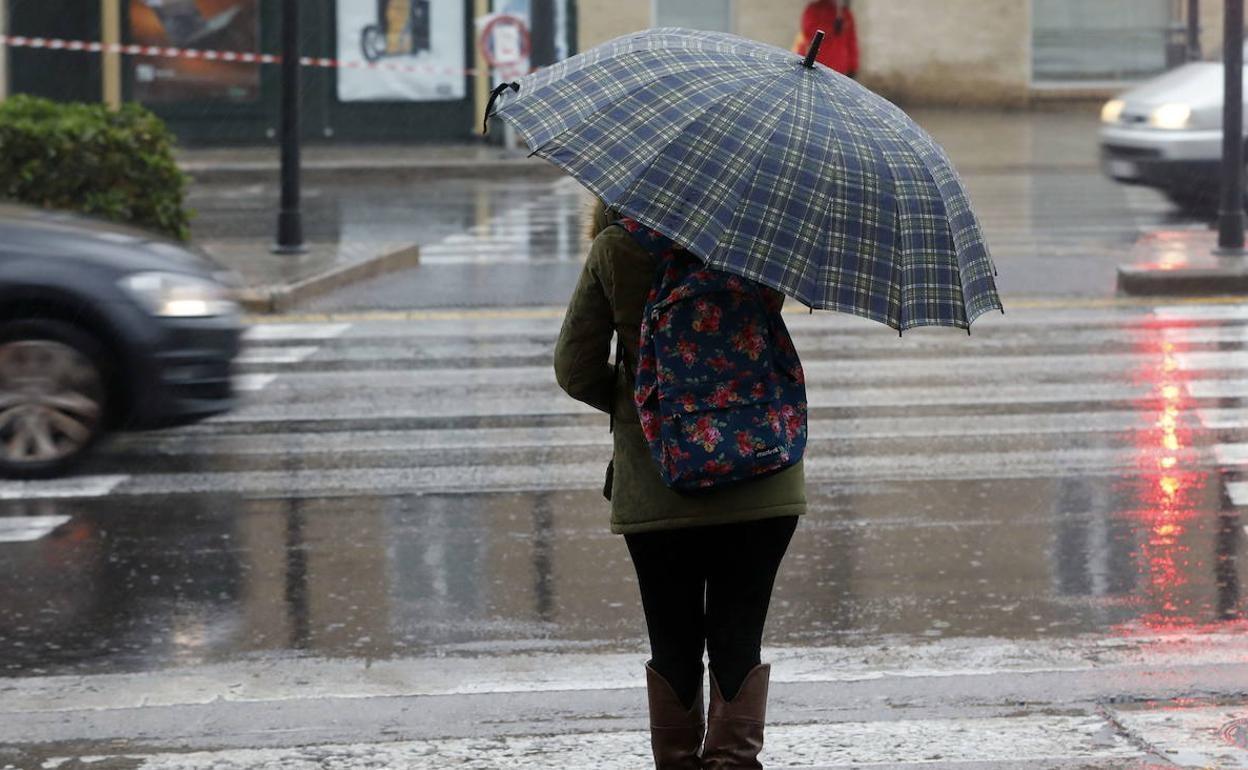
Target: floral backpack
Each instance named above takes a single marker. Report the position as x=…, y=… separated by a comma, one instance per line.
x=719, y=387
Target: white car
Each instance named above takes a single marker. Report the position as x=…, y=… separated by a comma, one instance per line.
x=1167, y=133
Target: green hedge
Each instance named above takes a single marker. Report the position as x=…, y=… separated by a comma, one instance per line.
x=85, y=157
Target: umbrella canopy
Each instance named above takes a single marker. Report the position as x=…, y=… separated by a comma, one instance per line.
x=788, y=174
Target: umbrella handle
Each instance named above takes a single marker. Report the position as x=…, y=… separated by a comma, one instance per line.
x=489, y=106
x=814, y=50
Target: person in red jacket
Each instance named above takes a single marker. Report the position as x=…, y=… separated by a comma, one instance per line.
x=840, y=44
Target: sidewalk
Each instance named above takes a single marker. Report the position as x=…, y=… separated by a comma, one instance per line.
x=274, y=283
x=1183, y=262
x=356, y=229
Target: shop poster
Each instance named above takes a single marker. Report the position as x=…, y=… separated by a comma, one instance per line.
x=424, y=35
x=228, y=25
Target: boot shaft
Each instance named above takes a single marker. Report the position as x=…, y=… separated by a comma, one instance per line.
x=734, y=729
x=675, y=731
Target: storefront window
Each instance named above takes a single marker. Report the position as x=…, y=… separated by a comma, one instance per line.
x=222, y=25
x=1077, y=40
x=714, y=15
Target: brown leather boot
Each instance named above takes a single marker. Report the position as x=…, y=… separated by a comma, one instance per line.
x=734, y=729
x=675, y=732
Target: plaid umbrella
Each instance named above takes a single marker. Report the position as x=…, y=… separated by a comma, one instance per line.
x=768, y=167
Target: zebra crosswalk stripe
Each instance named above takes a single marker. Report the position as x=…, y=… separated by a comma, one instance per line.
x=1008, y=422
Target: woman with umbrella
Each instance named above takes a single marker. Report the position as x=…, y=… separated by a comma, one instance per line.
x=705, y=562
x=774, y=169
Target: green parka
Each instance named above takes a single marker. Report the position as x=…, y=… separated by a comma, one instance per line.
x=611, y=296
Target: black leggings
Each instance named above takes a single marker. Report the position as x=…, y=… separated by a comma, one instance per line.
x=708, y=586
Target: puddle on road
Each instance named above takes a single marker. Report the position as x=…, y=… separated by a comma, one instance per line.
x=128, y=586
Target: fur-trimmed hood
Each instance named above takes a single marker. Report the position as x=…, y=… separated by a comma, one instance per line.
x=598, y=219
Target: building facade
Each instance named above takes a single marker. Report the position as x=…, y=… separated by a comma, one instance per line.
x=398, y=69
x=972, y=52
x=413, y=70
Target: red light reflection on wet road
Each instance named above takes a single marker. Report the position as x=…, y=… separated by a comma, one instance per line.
x=1171, y=499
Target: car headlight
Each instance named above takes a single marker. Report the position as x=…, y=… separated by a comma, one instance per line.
x=175, y=295
x=1170, y=116
x=1112, y=110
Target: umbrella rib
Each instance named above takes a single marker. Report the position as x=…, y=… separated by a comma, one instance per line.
x=790, y=105
x=629, y=189
x=904, y=141
x=933, y=146
x=695, y=67
x=866, y=132
x=752, y=174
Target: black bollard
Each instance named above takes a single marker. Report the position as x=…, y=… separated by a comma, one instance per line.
x=289, y=218
x=1231, y=211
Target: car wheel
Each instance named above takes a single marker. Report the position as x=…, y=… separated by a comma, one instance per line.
x=52, y=397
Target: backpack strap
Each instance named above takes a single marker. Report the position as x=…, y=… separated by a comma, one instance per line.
x=656, y=245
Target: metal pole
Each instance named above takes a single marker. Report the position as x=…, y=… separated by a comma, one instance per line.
x=4, y=51
x=290, y=219
x=1193, y=30
x=542, y=24
x=481, y=84
x=110, y=61
x=1231, y=211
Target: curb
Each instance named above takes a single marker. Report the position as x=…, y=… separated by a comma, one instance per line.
x=282, y=298
x=328, y=173
x=1201, y=281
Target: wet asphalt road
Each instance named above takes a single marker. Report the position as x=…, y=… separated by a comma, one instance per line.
x=1038, y=523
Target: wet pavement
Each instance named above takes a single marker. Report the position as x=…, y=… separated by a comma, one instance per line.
x=1054, y=500
x=1084, y=483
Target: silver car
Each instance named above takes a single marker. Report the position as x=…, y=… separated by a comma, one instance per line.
x=1167, y=133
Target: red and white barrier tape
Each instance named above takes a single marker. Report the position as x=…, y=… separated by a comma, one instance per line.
x=242, y=57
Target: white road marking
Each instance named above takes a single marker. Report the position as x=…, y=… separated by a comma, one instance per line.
x=1022, y=374
x=1218, y=388
x=24, y=529
x=526, y=477
x=251, y=383
x=72, y=487
x=351, y=441
x=269, y=332
x=1229, y=312
x=1205, y=334
x=275, y=355
x=509, y=236
x=1112, y=321
x=1237, y=492
x=1212, y=360
x=1231, y=454
x=477, y=395
x=1223, y=419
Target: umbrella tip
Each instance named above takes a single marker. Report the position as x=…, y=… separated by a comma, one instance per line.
x=814, y=50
